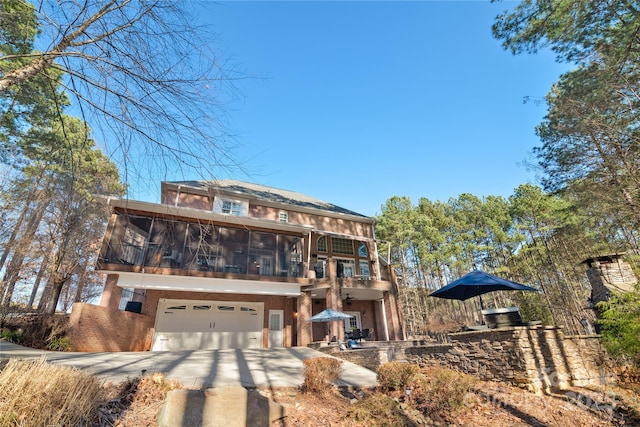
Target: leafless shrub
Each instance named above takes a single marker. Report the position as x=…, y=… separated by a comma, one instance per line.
x=320, y=374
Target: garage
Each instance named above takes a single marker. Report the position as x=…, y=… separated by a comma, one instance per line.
x=207, y=325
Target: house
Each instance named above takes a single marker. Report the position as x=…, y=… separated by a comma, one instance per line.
x=230, y=264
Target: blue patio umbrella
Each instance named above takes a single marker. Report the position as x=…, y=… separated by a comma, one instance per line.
x=329, y=315
x=477, y=283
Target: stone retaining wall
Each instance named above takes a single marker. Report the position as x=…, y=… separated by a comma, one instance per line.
x=539, y=358
x=372, y=354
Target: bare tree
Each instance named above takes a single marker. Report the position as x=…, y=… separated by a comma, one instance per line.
x=142, y=73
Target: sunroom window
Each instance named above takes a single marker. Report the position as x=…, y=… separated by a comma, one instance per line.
x=322, y=244
x=342, y=246
x=362, y=249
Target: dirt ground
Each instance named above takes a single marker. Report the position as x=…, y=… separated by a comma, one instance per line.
x=490, y=404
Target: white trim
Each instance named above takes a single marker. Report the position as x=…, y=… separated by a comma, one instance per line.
x=347, y=322
x=278, y=340
x=205, y=284
x=384, y=320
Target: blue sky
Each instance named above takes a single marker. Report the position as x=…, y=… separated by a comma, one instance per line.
x=356, y=102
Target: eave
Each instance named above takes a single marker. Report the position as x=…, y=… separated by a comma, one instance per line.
x=202, y=284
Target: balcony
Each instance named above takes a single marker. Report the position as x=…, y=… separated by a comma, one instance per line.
x=161, y=246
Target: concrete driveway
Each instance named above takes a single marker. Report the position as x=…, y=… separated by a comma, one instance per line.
x=273, y=368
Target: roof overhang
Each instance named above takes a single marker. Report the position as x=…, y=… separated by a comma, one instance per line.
x=347, y=236
x=201, y=284
x=203, y=215
x=216, y=190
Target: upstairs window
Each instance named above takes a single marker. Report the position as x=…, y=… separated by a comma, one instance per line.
x=283, y=216
x=322, y=244
x=231, y=207
x=362, y=249
x=342, y=246
x=364, y=269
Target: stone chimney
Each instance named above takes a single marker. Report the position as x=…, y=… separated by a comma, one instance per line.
x=609, y=273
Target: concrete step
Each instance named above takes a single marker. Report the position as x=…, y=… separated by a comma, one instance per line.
x=218, y=407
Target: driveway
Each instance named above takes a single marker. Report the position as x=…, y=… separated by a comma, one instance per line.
x=273, y=368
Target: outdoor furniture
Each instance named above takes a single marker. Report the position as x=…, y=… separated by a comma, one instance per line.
x=501, y=317
x=353, y=344
x=366, y=334
x=477, y=283
x=356, y=334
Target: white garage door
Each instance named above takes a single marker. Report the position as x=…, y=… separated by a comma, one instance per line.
x=200, y=325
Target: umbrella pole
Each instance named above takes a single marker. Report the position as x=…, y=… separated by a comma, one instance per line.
x=481, y=303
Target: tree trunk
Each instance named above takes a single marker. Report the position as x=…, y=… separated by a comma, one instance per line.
x=36, y=284
x=56, y=290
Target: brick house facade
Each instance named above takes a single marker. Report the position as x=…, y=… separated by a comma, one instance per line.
x=230, y=264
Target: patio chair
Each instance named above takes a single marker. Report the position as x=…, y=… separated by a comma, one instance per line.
x=356, y=334
x=366, y=334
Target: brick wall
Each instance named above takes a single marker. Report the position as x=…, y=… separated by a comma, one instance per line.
x=538, y=358
x=97, y=328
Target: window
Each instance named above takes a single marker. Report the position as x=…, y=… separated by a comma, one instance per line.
x=127, y=295
x=283, y=216
x=320, y=267
x=132, y=247
x=322, y=244
x=231, y=208
x=364, y=269
x=345, y=268
x=342, y=246
x=362, y=249
x=353, y=322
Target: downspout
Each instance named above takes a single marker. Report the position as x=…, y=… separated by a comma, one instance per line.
x=375, y=248
x=178, y=195
x=384, y=320
x=308, y=256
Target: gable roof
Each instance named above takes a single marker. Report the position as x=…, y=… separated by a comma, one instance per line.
x=265, y=194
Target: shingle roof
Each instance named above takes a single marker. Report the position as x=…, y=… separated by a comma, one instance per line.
x=265, y=193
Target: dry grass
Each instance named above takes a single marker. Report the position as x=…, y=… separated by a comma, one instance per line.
x=393, y=376
x=136, y=402
x=320, y=374
x=35, y=393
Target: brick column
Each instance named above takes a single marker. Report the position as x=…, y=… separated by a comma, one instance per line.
x=111, y=293
x=334, y=301
x=303, y=328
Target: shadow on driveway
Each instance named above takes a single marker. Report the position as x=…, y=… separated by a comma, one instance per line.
x=251, y=368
